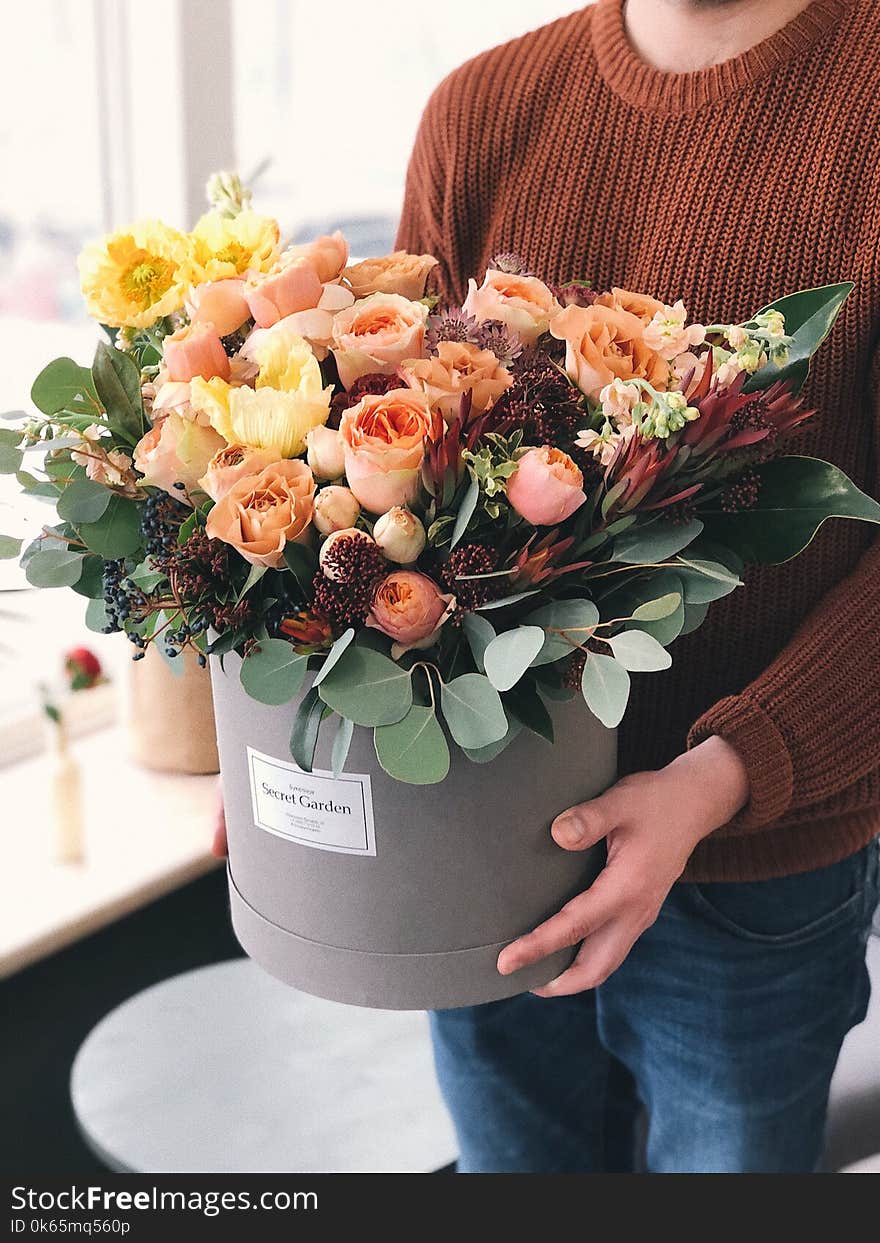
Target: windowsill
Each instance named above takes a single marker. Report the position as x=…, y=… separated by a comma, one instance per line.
x=147, y=833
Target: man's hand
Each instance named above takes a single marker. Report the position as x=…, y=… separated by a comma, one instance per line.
x=652, y=822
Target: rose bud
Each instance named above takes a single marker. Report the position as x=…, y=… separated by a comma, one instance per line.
x=400, y=535
x=546, y=487
x=330, y=541
x=336, y=509
x=326, y=453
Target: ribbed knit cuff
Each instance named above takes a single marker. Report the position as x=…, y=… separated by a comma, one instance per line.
x=746, y=726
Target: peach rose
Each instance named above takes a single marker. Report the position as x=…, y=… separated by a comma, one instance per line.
x=458, y=368
x=261, y=513
x=327, y=254
x=376, y=334
x=410, y=608
x=195, y=350
x=231, y=463
x=221, y=303
x=176, y=450
x=294, y=287
x=336, y=509
x=546, y=487
x=326, y=453
x=383, y=439
x=399, y=272
x=524, y=303
x=639, y=304
x=604, y=344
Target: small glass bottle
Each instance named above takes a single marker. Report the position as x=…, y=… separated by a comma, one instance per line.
x=65, y=791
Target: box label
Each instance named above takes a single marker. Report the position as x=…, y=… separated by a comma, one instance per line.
x=312, y=809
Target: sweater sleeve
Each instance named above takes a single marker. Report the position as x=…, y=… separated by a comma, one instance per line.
x=423, y=227
x=809, y=727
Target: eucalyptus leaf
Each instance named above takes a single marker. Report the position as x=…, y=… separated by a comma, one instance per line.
x=146, y=578
x=83, y=501
x=657, y=542
x=10, y=547
x=117, y=382
x=485, y=755
x=305, y=729
x=705, y=581
x=62, y=384
x=255, y=573
x=91, y=581
x=479, y=633
x=473, y=711
x=273, y=672
x=96, y=616
x=117, y=533
x=524, y=704
x=11, y=459
x=656, y=610
x=797, y=494
x=302, y=563
x=333, y=655
x=509, y=655
x=465, y=512
x=605, y=685
x=367, y=687
x=502, y=604
x=341, y=745
x=55, y=567
x=694, y=616
x=413, y=749
x=639, y=652
x=575, y=618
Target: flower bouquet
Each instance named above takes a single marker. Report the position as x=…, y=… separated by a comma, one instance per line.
x=424, y=549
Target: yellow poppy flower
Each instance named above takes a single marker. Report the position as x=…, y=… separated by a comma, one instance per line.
x=288, y=401
x=231, y=245
x=132, y=278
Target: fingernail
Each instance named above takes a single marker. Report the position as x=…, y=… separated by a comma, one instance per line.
x=567, y=832
x=505, y=963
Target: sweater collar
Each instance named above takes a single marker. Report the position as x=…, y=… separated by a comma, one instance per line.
x=655, y=91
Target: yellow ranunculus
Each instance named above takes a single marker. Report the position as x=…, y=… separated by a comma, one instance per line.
x=132, y=278
x=288, y=401
x=228, y=246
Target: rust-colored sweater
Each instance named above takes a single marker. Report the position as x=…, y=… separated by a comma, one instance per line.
x=724, y=187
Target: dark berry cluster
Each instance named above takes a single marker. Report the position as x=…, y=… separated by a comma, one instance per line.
x=161, y=519
x=755, y=417
x=233, y=341
x=344, y=588
x=117, y=601
x=541, y=401
x=469, y=559
x=742, y=493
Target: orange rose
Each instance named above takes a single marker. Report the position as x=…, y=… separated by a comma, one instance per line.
x=639, y=304
x=410, y=608
x=232, y=463
x=399, y=272
x=604, y=344
x=376, y=334
x=458, y=368
x=523, y=303
x=327, y=254
x=261, y=513
x=383, y=439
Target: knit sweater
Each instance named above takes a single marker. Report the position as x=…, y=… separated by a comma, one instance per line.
x=724, y=187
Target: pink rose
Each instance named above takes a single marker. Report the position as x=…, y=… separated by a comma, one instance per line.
x=376, y=334
x=410, y=608
x=195, y=350
x=221, y=303
x=327, y=254
x=524, y=303
x=383, y=441
x=176, y=450
x=293, y=288
x=232, y=463
x=546, y=487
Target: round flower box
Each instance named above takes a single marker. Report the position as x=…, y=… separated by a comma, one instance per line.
x=368, y=891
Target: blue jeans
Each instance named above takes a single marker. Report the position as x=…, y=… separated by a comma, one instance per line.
x=725, y=1023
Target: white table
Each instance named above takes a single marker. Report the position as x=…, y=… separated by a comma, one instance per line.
x=225, y=1070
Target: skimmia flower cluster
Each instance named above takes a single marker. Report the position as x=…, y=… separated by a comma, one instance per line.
x=463, y=511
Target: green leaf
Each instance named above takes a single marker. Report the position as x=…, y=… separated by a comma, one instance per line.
x=809, y=317
x=274, y=672
x=509, y=655
x=605, y=685
x=302, y=563
x=255, y=573
x=11, y=436
x=341, y=745
x=10, y=547
x=694, y=616
x=473, y=711
x=639, y=652
x=118, y=385
x=305, y=729
x=334, y=655
x=705, y=581
x=11, y=459
x=574, y=617
x=56, y=567
x=796, y=496
x=146, y=578
x=187, y=527
x=96, y=616
x=83, y=501
x=485, y=755
x=479, y=633
x=657, y=542
x=502, y=604
x=91, y=580
x=36, y=487
x=367, y=687
x=656, y=610
x=524, y=703
x=413, y=749
x=466, y=512
x=64, y=384
x=117, y=533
